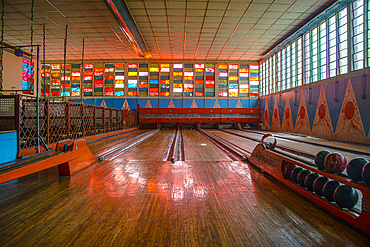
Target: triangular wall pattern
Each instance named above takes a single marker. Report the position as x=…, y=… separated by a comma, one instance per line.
x=194, y=104
x=148, y=105
x=287, y=125
x=171, y=105
x=302, y=125
x=368, y=137
x=103, y=104
x=238, y=105
x=266, y=117
x=322, y=126
x=216, y=105
x=125, y=105
x=349, y=126
x=275, y=122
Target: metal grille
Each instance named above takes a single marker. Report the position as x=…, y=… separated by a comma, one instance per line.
x=60, y=120
x=7, y=107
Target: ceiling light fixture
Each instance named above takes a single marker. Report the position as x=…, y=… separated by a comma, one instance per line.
x=128, y=26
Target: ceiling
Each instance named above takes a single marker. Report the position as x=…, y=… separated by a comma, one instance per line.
x=171, y=29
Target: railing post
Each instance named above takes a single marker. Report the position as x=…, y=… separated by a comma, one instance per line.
x=67, y=118
x=83, y=120
x=110, y=119
x=94, y=119
x=47, y=122
x=17, y=121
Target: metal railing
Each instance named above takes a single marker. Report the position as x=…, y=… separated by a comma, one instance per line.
x=58, y=120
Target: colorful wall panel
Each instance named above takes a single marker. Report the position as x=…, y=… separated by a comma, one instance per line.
x=335, y=110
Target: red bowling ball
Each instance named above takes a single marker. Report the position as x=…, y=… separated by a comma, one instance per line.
x=335, y=163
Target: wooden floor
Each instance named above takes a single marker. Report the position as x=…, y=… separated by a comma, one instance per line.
x=197, y=148
x=155, y=203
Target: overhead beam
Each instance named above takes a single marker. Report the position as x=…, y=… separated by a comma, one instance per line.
x=128, y=26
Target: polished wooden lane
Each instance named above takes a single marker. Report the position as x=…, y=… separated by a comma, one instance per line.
x=244, y=143
x=143, y=203
x=298, y=137
x=111, y=141
x=308, y=148
x=151, y=149
x=196, y=147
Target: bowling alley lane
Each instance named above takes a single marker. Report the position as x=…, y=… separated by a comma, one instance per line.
x=197, y=147
x=145, y=203
x=244, y=143
x=152, y=148
x=308, y=148
x=111, y=141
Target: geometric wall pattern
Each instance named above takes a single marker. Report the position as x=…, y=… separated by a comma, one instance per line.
x=335, y=110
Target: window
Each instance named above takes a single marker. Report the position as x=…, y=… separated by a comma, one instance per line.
x=278, y=71
x=314, y=56
x=323, y=50
x=288, y=67
x=273, y=74
x=343, y=35
x=332, y=47
x=307, y=58
x=299, y=62
x=294, y=64
x=358, y=35
x=283, y=70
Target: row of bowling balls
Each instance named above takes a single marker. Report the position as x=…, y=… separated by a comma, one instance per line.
x=358, y=169
x=343, y=195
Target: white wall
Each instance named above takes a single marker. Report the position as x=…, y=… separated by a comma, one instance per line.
x=12, y=71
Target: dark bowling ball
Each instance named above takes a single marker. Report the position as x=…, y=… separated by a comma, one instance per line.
x=294, y=174
x=345, y=196
x=366, y=174
x=329, y=189
x=320, y=158
x=302, y=177
x=310, y=179
x=354, y=168
x=288, y=171
x=318, y=184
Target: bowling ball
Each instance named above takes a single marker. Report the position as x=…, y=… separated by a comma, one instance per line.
x=310, y=179
x=354, y=168
x=335, y=163
x=318, y=184
x=320, y=158
x=294, y=174
x=366, y=174
x=288, y=171
x=329, y=189
x=302, y=177
x=345, y=196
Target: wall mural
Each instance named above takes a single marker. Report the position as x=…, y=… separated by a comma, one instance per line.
x=336, y=110
x=130, y=103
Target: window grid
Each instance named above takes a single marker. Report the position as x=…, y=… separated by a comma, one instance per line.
x=367, y=4
x=273, y=85
x=314, y=56
x=323, y=44
x=278, y=71
x=299, y=62
x=358, y=35
x=271, y=74
x=307, y=58
x=343, y=43
x=332, y=47
x=283, y=70
x=293, y=80
x=288, y=67
x=323, y=52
